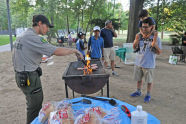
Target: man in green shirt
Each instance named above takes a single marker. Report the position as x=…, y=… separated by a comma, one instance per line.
x=27, y=53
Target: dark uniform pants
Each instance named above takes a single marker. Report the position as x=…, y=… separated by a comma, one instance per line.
x=33, y=93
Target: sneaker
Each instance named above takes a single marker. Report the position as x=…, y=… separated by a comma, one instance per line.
x=117, y=66
x=135, y=94
x=108, y=67
x=114, y=73
x=147, y=98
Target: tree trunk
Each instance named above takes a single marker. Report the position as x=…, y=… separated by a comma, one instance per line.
x=157, y=15
x=68, y=30
x=78, y=24
x=82, y=15
x=120, y=9
x=135, y=7
x=114, y=7
x=94, y=4
x=108, y=8
x=163, y=5
x=9, y=25
x=162, y=34
x=51, y=31
x=67, y=17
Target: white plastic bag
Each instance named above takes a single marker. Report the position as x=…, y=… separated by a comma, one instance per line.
x=51, y=107
x=45, y=112
x=112, y=117
x=173, y=59
x=130, y=56
x=62, y=116
x=90, y=116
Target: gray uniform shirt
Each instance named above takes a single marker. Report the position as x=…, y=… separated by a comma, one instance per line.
x=28, y=50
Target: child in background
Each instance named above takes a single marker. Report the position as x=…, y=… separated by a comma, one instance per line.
x=80, y=43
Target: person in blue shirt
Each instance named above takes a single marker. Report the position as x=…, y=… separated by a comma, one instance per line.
x=80, y=44
x=145, y=59
x=107, y=34
x=96, y=44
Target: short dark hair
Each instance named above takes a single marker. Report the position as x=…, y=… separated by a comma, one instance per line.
x=143, y=13
x=148, y=21
x=185, y=33
x=33, y=21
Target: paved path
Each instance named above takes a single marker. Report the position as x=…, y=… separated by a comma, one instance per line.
x=5, y=48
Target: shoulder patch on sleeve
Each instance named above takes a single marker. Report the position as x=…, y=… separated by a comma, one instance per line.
x=43, y=40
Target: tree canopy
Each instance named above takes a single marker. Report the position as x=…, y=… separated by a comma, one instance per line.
x=83, y=15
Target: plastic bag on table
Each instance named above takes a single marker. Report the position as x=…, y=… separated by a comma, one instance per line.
x=50, y=107
x=63, y=104
x=112, y=117
x=45, y=112
x=91, y=115
x=62, y=116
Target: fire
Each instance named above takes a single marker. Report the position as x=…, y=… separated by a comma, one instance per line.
x=88, y=69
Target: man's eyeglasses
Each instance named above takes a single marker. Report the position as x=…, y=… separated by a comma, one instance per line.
x=145, y=26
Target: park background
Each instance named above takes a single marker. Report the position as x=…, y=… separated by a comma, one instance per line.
x=168, y=94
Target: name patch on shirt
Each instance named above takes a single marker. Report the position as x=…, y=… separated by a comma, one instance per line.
x=43, y=40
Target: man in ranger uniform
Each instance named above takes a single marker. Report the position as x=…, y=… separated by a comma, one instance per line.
x=28, y=50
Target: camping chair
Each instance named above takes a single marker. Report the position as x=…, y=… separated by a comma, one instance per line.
x=178, y=52
x=60, y=41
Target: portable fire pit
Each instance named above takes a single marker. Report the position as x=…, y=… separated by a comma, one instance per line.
x=85, y=84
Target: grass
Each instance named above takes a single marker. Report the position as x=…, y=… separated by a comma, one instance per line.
x=4, y=39
x=123, y=37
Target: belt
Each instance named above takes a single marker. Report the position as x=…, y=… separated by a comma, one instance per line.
x=95, y=58
x=38, y=70
x=26, y=71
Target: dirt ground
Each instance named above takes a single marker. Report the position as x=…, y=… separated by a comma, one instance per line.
x=168, y=96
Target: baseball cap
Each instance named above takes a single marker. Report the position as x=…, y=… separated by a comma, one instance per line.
x=96, y=28
x=43, y=19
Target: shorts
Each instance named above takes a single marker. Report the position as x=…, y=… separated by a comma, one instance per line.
x=109, y=54
x=140, y=72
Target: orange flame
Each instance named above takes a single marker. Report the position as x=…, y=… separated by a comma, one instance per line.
x=87, y=69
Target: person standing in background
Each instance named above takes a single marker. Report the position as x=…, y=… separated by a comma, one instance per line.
x=80, y=44
x=95, y=44
x=70, y=39
x=107, y=33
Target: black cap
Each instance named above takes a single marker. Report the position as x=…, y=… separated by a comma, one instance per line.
x=80, y=34
x=43, y=19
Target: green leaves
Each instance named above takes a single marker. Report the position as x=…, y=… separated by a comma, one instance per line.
x=57, y=11
x=172, y=15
